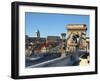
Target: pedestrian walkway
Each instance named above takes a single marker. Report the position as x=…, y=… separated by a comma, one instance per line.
x=46, y=62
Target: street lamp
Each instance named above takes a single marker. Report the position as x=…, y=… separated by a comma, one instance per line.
x=63, y=35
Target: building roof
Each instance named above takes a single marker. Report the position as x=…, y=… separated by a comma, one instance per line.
x=53, y=37
x=49, y=38
x=33, y=39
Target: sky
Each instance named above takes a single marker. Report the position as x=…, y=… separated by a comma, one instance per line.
x=50, y=24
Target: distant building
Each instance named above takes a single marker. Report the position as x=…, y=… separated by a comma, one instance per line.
x=44, y=49
x=41, y=45
x=53, y=39
x=37, y=33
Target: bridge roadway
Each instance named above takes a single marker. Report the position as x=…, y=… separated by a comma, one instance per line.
x=69, y=60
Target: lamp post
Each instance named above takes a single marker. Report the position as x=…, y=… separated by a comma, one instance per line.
x=63, y=35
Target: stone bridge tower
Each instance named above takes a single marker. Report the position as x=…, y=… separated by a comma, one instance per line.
x=78, y=30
